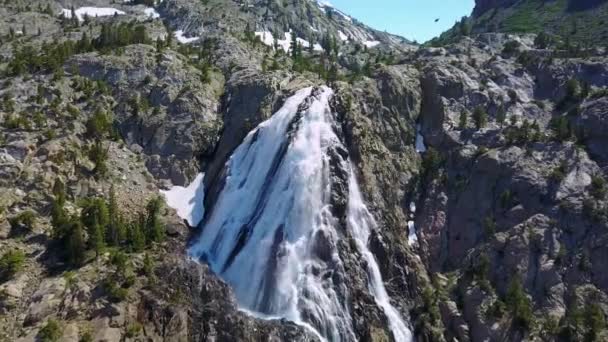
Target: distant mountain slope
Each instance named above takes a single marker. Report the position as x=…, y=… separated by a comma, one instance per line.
x=311, y=20
x=581, y=21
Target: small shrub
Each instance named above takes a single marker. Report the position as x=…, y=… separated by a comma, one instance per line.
x=595, y=320
x=11, y=263
x=598, y=187
x=543, y=40
x=592, y=211
x=51, y=332
x=15, y=121
x=24, y=219
x=133, y=330
x=431, y=162
x=511, y=47
x=86, y=337
x=559, y=173
x=573, y=89
x=497, y=310
x=99, y=125
x=561, y=128
x=115, y=292
x=489, y=226
x=506, y=199
x=148, y=267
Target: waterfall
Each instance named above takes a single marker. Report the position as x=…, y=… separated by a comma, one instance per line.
x=360, y=222
x=271, y=233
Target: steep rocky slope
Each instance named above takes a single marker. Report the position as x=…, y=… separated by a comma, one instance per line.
x=496, y=231
x=575, y=22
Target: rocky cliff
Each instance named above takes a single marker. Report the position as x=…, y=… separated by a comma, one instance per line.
x=482, y=162
x=573, y=22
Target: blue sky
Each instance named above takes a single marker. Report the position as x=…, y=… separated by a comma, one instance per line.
x=412, y=19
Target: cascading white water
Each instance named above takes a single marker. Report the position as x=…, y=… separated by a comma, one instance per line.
x=361, y=222
x=271, y=233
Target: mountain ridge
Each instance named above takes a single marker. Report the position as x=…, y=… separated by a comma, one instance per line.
x=578, y=22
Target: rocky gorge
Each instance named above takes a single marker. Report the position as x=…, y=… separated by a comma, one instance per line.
x=495, y=230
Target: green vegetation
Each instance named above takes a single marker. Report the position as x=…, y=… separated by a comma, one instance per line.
x=562, y=129
x=595, y=320
x=480, y=117
x=559, y=173
x=462, y=120
x=24, y=219
x=155, y=229
x=431, y=163
x=104, y=225
x=598, y=187
x=555, y=21
x=511, y=47
x=498, y=309
x=583, y=324
x=10, y=264
x=518, y=304
x=489, y=226
x=501, y=115
x=52, y=56
x=99, y=125
x=98, y=154
x=51, y=332
x=133, y=330
x=525, y=133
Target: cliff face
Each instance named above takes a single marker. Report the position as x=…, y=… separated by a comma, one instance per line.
x=483, y=163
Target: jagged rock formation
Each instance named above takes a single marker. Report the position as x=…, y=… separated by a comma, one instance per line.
x=509, y=199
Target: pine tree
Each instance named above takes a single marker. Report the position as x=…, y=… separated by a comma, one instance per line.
x=59, y=218
x=95, y=217
x=137, y=239
x=294, y=46
x=155, y=229
x=311, y=46
x=96, y=239
x=75, y=243
x=480, y=117
x=59, y=191
x=519, y=304
x=462, y=120
x=116, y=228
x=99, y=155
x=332, y=74
x=501, y=115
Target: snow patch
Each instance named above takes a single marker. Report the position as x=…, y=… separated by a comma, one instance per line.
x=371, y=43
x=267, y=38
x=179, y=35
x=151, y=12
x=92, y=12
x=188, y=201
x=343, y=37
